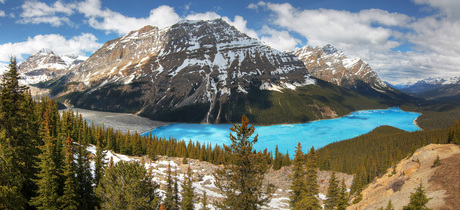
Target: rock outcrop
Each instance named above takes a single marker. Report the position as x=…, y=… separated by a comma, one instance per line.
x=441, y=183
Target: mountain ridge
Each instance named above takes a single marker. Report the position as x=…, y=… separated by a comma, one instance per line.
x=205, y=72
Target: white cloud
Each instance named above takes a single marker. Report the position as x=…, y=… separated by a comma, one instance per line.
x=374, y=34
x=280, y=40
x=340, y=28
x=38, y=12
x=59, y=44
x=448, y=8
x=238, y=22
x=110, y=21
x=2, y=1
x=2, y=13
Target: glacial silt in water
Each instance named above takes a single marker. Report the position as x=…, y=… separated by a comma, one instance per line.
x=286, y=136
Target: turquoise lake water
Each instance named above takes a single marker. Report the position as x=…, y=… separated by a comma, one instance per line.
x=286, y=136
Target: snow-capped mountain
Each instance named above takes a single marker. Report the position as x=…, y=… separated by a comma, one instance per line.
x=189, y=63
x=329, y=64
x=432, y=87
x=201, y=71
x=45, y=65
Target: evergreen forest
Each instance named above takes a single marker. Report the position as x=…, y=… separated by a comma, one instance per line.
x=45, y=163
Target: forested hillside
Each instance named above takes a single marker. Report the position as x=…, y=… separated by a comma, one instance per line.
x=44, y=161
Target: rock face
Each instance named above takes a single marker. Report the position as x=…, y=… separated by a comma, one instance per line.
x=45, y=65
x=440, y=183
x=329, y=64
x=198, y=65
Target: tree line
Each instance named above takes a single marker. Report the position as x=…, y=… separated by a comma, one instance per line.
x=45, y=163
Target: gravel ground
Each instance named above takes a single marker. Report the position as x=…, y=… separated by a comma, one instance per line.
x=119, y=121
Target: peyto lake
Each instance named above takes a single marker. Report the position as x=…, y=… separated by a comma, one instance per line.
x=286, y=136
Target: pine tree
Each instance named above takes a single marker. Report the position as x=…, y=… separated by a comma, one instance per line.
x=309, y=201
x=241, y=180
x=99, y=162
x=47, y=182
x=11, y=182
x=278, y=159
x=69, y=199
x=127, y=185
x=18, y=141
x=286, y=159
x=343, y=196
x=418, y=199
x=170, y=200
x=390, y=206
x=332, y=192
x=87, y=199
x=298, y=178
x=437, y=162
x=188, y=194
x=204, y=201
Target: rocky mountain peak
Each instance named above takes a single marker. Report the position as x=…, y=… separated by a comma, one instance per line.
x=329, y=49
x=329, y=64
x=190, y=63
x=45, y=65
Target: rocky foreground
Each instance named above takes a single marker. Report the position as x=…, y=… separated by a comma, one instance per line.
x=441, y=183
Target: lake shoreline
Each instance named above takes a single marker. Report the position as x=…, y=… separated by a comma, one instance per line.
x=131, y=122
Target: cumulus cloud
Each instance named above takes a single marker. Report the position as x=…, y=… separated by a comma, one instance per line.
x=374, y=34
x=60, y=45
x=110, y=21
x=2, y=13
x=341, y=28
x=38, y=12
x=280, y=40
x=238, y=21
x=2, y=1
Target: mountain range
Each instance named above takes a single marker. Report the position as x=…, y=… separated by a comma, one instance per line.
x=209, y=72
x=432, y=87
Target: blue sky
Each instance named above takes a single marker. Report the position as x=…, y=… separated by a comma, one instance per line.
x=402, y=40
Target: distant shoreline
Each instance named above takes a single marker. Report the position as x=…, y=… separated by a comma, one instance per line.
x=130, y=122
x=119, y=121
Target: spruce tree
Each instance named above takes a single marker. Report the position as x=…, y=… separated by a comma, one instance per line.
x=278, y=159
x=69, y=199
x=418, y=199
x=204, y=201
x=127, y=185
x=188, y=194
x=87, y=199
x=437, y=162
x=298, y=178
x=240, y=181
x=343, y=196
x=48, y=180
x=170, y=200
x=286, y=159
x=390, y=206
x=332, y=192
x=99, y=162
x=309, y=201
x=19, y=131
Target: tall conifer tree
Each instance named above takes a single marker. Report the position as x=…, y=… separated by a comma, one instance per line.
x=309, y=201
x=48, y=180
x=418, y=199
x=241, y=180
x=69, y=199
x=298, y=178
x=332, y=192
x=18, y=141
x=188, y=194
